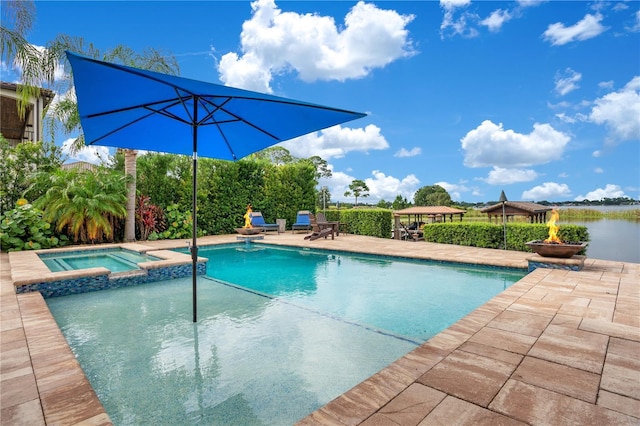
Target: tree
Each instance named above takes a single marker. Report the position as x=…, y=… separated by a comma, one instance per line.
x=38, y=69
x=17, y=166
x=357, y=188
x=277, y=155
x=433, y=195
x=324, y=197
x=322, y=167
x=66, y=111
x=400, y=203
x=384, y=204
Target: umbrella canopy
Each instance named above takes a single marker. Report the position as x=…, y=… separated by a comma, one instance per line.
x=127, y=107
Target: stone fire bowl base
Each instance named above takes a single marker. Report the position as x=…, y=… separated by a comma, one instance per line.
x=574, y=263
x=555, y=250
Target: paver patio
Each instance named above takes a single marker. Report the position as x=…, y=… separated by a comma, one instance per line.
x=557, y=347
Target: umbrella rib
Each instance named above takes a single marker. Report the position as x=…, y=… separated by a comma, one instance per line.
x=221, y=107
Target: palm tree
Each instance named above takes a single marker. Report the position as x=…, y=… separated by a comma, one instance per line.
x=85, y=203
x=38, y=69
x=67, y=110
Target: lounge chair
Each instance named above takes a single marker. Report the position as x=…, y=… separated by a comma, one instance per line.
x=303, y=221
x=322, y=233
x=319, y=231
x=257, y=221
x=322, y=222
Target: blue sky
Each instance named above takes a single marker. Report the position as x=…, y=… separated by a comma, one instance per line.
x=539, y=99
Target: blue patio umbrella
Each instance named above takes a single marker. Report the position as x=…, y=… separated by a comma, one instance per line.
x=127, y=107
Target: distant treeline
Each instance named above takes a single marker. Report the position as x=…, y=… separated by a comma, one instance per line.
x=619, y=201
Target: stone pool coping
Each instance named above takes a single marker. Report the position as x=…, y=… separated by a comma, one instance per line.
x=557, y=344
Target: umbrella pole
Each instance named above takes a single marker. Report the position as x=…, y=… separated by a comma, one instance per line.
x=194, y=245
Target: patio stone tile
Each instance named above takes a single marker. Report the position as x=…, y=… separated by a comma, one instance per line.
x=505, y=340
x=346, y=410
x=469, y=376
x=465, y=413
x=14, y=356
x=408, y=408
x=621, y=372
x=26, y=414
x=321, y=417
x=518, y=322
x=611, y=329
x=622, y=404
x=567, y=320
x=535, y=307
x=574, y=348
x=18, y=390
x=535, y=405
x=72, y=404
x=8, y=336
x=491, y=352
x=558, y=378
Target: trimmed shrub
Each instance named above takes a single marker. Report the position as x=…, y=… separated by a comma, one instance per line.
x=370, y=222
x=489, y=235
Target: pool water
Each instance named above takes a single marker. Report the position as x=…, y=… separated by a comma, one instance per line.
x=284, y=333
x=412, y=299
x=115, y=260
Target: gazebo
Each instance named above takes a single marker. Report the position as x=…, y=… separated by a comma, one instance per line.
x=425, y=214
x=537, y=213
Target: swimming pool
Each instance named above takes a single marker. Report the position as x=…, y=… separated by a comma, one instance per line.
x=253, y=357
x=115, y=260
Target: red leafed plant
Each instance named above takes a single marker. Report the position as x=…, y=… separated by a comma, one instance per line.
x=149, y=217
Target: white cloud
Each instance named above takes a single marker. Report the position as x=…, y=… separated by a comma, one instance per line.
x=381, y=186
x=620, y=111
x=598, y=170
x=502, y=176
x=567, y=82
x=452, y=26
x=530, y=3
x=609, y=191
x=606, y=85
x=336, y=142
x=490, y=145
x=405, y=153
x=547, y=191
x=497, y=18
x=564, y=117
x=452, y=4
x=596, y=153
x=91, y=154
x=453, y=189
x=275, y=42
x=636, y=24
x=585, y=29
x=563, y=175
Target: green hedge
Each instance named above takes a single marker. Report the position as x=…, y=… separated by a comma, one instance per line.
x=370, y=222
x=489, y=235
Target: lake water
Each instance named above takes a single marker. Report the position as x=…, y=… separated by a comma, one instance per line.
x=611, y=239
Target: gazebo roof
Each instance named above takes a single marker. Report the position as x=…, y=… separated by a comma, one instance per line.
x=531, y=208
x=428, y=210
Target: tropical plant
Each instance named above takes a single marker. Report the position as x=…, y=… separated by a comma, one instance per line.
x=84, y=203
x=357, y=188
x=149, y=217
x=39, y=67
x=179, y=225
x=23, y=228
x=17, y=165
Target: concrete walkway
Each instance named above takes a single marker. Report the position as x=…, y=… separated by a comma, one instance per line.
x=557, y=347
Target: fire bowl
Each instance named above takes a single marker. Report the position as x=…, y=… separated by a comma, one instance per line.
x=248, y=231
x=563, y=250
